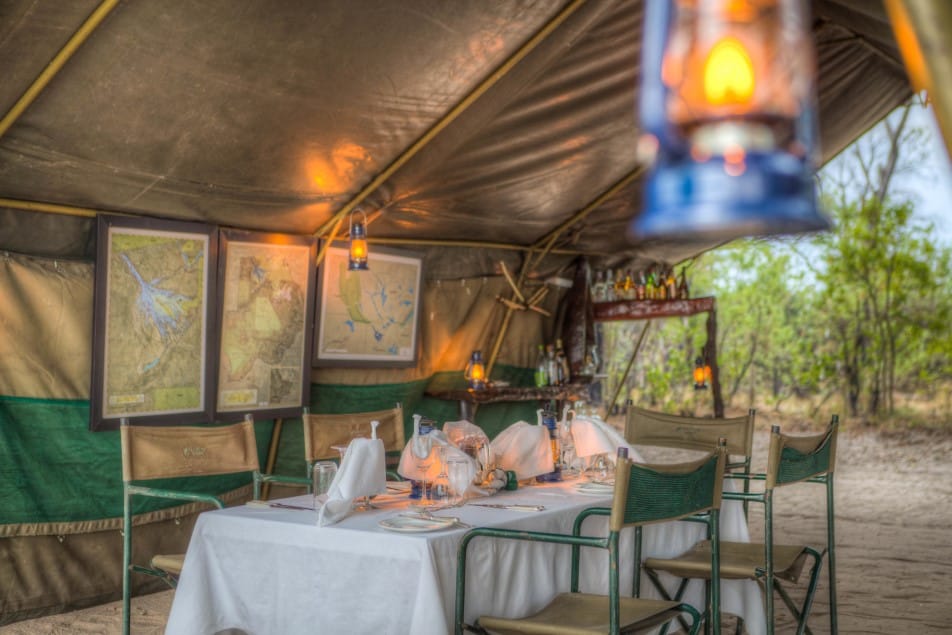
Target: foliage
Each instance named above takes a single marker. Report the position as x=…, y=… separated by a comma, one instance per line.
x=845, y=320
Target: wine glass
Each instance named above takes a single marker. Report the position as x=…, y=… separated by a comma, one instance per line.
x=460, y=475
x=442, y=479
x=322, y=477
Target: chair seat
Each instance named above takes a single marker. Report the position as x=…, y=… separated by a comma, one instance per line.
x=739, y=561
x=169, y=563
x=585, y=614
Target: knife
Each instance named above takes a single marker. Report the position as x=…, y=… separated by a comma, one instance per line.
x=515, y=508
x=277, y=505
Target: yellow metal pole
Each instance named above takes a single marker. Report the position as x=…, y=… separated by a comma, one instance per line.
x=455, y=112
x=74, y=42
x=49, y=208
x=922, y=29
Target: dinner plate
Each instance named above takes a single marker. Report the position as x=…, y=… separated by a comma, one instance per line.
x=413, y=524
x=591, y=488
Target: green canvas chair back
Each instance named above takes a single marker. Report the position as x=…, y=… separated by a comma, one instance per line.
x=150, y=453
x=643, y=494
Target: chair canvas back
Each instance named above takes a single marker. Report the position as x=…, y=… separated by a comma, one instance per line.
x=151, y=452
x=322, y=431
x=655, y=493
x=645, y=427
x=792, y=459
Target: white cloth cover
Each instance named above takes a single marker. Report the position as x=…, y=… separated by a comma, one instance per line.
x=525, y=449
x=363, y=472
x=593, y=436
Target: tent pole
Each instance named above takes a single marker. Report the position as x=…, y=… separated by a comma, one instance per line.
x=49, y=208
x=455, y=112
x=272, y=456
x=58, y=61
x=624, y=377
x=921, y=28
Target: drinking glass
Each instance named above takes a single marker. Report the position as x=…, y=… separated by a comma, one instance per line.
x=459, y=474
x=322, y=477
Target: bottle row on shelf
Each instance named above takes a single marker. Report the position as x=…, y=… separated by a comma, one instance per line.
x=552, y=366
x=656, y=283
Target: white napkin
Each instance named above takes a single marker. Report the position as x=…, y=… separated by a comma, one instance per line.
x=593, y=436
x=421, y=449
x=525, y=449
x=362, y=472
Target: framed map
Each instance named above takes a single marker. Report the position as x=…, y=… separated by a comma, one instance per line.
x=369, y=318
x=266, y=311
x=152, y=314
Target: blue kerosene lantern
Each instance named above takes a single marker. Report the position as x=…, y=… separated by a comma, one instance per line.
x=728, y=120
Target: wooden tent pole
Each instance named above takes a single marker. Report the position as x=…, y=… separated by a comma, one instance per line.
x=624, y=377
x=455, y=112
x=272, y=456
x=711, y=353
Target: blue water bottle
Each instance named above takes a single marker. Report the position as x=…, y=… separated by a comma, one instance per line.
x=549, y=421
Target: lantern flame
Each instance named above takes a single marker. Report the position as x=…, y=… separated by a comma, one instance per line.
x=728, y=74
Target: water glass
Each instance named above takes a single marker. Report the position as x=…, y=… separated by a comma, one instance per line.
x=459, y=475
x=323, y=476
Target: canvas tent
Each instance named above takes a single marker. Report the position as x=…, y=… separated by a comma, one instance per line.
x=474, y=131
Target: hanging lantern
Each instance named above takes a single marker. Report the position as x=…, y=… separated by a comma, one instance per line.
x=475, y=372
x=700, y=376
x=728, y=116
x=357, y=251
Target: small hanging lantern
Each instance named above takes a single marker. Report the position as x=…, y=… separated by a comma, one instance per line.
x=475, y=372
x=357, y=256
x=700, y=382
x=728, y=120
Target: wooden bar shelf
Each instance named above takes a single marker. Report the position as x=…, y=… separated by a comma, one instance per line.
x=569, y=392
x=619, y=310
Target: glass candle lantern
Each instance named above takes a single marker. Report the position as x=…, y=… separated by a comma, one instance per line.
x=357, y=250
x=475, y=372
x=728, y=120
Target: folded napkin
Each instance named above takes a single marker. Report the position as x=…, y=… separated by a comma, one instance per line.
x=593, y=436
x=362, y=472
x=524, y=449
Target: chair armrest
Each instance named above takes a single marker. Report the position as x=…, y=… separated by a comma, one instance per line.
x=156, y=492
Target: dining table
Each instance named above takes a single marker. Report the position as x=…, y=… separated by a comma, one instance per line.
x=269, y=569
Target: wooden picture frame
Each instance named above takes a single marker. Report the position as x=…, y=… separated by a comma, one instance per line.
x=153, y=322
x=266, y=288
x=369, y=319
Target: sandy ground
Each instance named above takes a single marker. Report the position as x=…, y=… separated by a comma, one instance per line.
x=894, y=546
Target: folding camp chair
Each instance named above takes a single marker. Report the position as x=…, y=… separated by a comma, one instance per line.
x=645, y=427
x=643, y=494
x=324, y=431
x=790, y=460
x=151, y=452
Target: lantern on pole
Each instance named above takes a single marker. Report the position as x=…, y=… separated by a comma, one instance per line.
x=700, y=376
x=728, y=120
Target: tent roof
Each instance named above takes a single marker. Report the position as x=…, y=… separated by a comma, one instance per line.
x=462, y=121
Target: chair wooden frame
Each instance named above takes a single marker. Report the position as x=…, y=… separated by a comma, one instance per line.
x=689, y=489
x=791, y=459
x=153, y=452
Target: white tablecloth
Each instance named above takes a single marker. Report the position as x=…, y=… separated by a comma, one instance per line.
x=273, y=571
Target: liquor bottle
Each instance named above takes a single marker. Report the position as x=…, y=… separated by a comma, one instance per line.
x=551, y=366
x=620, y=284
x=640, y=286
x=671, y=284
x=598, y=287
x=628, y=288
x=548, y=420
x=541, y=369
x=650, y=289
x=562, y=363
x=608, y=291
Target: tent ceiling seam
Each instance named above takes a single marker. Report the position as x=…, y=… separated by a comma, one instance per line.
x=467, y=101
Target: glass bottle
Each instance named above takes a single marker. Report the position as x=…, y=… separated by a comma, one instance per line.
x=671, y=285
x=683, y=285
x=547, y=419
x=562, y=363
x=541, y=368
x=608, y=290
x=640, y=286
x=552, y=371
